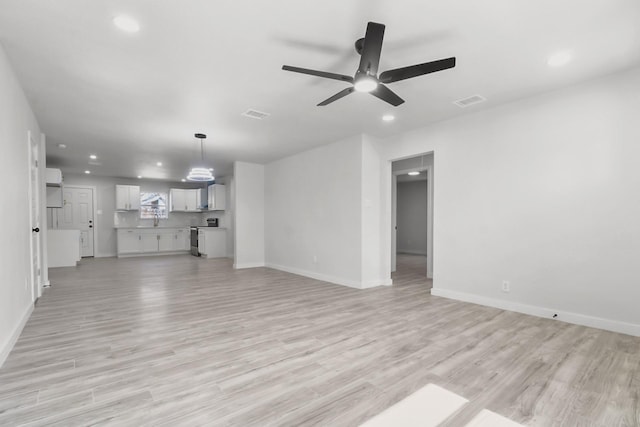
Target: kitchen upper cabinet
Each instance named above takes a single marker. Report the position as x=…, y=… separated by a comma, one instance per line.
x=127, y=197
x=184, y=200
x=217, y=197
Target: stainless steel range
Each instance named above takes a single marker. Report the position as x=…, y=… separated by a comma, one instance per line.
x=194, y=241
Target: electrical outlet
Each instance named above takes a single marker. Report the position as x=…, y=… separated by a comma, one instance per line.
x=506, y=287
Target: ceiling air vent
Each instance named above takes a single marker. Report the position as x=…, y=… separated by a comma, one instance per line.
x=465, y=102
x=255, y=114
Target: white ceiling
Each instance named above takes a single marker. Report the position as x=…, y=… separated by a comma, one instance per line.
x=195, y=66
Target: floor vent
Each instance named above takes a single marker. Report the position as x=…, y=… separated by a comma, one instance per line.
x=465, y=102
x=255, y=114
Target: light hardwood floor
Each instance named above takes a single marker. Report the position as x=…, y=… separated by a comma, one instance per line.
x=411, y=269
x=186, y=341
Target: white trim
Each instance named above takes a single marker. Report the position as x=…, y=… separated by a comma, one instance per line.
x=564, y=316
x=141, y=254
x=248, y=265
x=4, y=352
x=331, y=279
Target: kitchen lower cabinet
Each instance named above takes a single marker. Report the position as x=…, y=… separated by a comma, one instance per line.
x=129, y=242
x=152, y=241
x=212, y=242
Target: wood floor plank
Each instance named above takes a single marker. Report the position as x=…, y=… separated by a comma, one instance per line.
x=180, y=340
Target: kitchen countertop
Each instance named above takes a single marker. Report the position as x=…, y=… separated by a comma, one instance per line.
x=150, y=227
x=211, y=228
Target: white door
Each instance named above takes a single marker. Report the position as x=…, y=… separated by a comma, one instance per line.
x=34, y=205
x=77, y=214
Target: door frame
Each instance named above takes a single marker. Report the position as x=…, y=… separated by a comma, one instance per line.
x=95, y=212
x=36, y=254
x=430, y=212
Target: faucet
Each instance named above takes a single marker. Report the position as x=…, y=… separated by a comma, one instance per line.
x=156, y=219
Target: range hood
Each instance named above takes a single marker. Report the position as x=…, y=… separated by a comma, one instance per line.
x=54, y=177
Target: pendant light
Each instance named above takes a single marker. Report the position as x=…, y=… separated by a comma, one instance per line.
x=200, y=173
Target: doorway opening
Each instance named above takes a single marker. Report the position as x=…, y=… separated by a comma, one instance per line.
x=412, y=220
x=77, y=213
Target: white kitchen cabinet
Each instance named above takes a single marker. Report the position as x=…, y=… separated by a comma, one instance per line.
x=127, y=197
x=184, y=200
x=182, y=240
x=152, y=241
x=149, y=242
x=217, y=197
x=167, y=241
x=129, y=242
x=212, y=242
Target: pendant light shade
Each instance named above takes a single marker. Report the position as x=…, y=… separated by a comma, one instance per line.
x=200, y=173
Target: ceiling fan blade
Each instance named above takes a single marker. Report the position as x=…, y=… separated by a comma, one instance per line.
x=337, y=96
x=387, y=95
x=417, y=70
x=370, y=57
x=324, y=74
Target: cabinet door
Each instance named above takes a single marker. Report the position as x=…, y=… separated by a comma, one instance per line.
x=217, y=197
x=149, y=242
x=134, y=197
x=202, y=247
x=128, y=242
x=122, y=197
x=191, y=200
x=182, y=241
x=166, y=241
x=178, y=201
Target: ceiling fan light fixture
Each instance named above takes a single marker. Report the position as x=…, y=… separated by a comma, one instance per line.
x=365, y=84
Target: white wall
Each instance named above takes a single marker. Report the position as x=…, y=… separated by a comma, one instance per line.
x=249, y=207
x=543, y=193
x=106, y=218
x=16, y=120
x=313, y=212
x=412, y=217
x=323, y=213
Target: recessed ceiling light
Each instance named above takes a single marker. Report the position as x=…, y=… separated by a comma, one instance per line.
x=93, y=157
x=388, y=117
x=559, y=59
x=126, y=23
x=63, y=146
x=413, y=173
x=139, y=176
x=159, y=164
x=183, y=180
x=87, y=172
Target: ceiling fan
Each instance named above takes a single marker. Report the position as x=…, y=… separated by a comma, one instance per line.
x=366, y=78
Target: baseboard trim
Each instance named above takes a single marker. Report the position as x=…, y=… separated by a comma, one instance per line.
x=563, y=316
x=15, y=335
x=248, y=265
x=331, y=279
